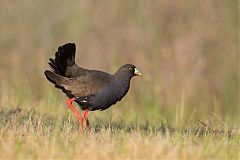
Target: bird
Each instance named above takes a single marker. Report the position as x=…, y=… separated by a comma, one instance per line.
x=90, y=89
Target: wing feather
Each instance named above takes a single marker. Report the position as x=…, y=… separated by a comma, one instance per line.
x=86, y=85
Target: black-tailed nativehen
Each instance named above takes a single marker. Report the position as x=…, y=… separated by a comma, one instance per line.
x=90, y=89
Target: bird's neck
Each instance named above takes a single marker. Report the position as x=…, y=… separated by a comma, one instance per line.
x=122, y=84
x=122, y=78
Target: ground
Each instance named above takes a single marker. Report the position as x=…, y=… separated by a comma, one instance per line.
x=28, y=134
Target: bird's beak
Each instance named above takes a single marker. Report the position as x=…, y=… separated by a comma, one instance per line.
x=137, y=72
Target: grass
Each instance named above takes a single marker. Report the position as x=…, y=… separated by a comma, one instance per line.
x=28, y=134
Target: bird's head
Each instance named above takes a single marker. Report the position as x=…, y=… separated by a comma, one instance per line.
x=129, y=70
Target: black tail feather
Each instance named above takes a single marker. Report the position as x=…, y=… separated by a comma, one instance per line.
x=64, y=57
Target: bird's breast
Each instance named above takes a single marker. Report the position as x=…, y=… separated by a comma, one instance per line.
x=109, y=96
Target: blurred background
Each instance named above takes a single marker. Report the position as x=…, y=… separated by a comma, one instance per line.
x=187, y=51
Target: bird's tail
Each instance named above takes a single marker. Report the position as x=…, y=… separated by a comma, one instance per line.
x=64, y=57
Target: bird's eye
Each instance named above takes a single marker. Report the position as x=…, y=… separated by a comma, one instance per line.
x=130, y=68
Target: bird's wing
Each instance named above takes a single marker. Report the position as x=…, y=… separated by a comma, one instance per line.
x=86, y=85
x=76, y=71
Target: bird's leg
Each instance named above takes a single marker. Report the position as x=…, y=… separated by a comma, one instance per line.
x=85, y=115
x=79, y=117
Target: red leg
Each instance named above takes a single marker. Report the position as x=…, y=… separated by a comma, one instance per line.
x=85, y=114
x=79, y=117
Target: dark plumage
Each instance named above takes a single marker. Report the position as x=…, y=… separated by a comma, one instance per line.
x=91, y=89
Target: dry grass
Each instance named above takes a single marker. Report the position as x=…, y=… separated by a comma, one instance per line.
x=26, y=134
